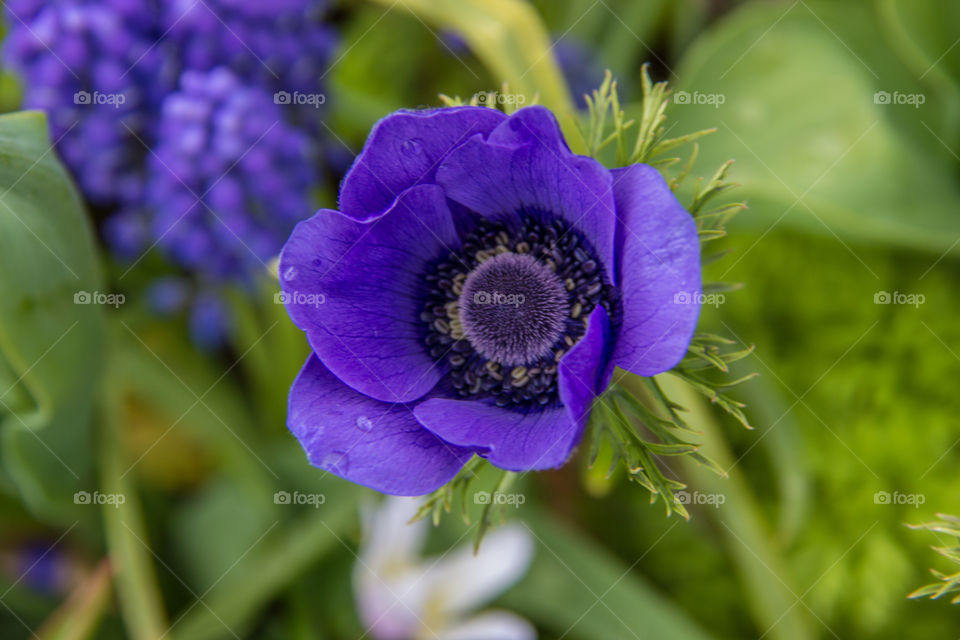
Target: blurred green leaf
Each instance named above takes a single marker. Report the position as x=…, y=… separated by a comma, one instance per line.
x=79, y=617
x=185, y=394
x=931, y=26
x=577, y=590
x=924, y=34
x=770, y=590
x=131, y=556
x=374, y=79
x=215, y=527
x=815, y=147
x=49, y=342
x=269, y=564
x=510, y=39
x=620, y=33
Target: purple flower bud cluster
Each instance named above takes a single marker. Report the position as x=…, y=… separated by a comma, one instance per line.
x=229, y=177
x=195, y=124
x=95, y=69
x=281, y=44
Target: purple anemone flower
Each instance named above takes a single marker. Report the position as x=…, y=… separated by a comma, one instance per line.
x=474, y=294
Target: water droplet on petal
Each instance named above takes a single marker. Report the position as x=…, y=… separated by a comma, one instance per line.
x=364, y=424
x=336, y=461
x=412, y=147
x=290, y=274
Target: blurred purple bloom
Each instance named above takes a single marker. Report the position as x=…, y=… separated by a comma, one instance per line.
x=196, y=83
x=228, y=178
x=94, y=67
x=473, y=295
x=209, y=321
x=167, y=296
x=281, y=44
x=195, y=124
x=581, y=68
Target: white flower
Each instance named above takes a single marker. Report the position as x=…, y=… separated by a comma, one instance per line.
x=402, y=596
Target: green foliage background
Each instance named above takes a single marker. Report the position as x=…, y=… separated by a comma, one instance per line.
x=847, y=198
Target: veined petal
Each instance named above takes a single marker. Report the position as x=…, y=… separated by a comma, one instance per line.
x=357, y=289
x=376, y=444
x=404, y=150
x=538, y=438
x=525, y=166
x=658, y=272
x=584, y=372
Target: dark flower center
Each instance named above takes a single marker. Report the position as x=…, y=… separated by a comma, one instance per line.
x=504, y=310
x=513, y=308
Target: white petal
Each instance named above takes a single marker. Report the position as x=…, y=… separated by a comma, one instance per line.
x=462, y=581
x=389, y=538
x=388, y=581
x=393, y=608
x=494, y=625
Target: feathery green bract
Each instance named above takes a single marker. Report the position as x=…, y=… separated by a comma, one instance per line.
x=947, y=584
x=634, y=420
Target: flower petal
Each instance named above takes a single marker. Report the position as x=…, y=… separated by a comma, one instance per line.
x=388, y=580
x=658, y=267
x=390, y=538
x=501, y=625
x=403, y=150
x=357, y=289
x=583, y=372
x=525, y=165
x=512, y=440
x=542, y=438
x=463, y=581
x=376, y=444
x=531, y=124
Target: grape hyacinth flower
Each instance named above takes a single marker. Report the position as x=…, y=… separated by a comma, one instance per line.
x=473, y=295
x=281, y=44
x=228, y=178
x=195, y=126
x=401, y=596
x=95, y=68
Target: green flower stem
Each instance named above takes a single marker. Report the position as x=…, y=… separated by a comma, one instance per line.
x=771, y=592
x=79, y=617
x=140, y=601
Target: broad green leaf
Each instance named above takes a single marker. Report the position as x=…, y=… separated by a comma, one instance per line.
x=49, y=340
x=924, y=34
x=577, y=590
x=931, y=28
x=815, y=147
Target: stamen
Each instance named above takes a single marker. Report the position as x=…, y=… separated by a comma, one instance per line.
x=507, y=348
